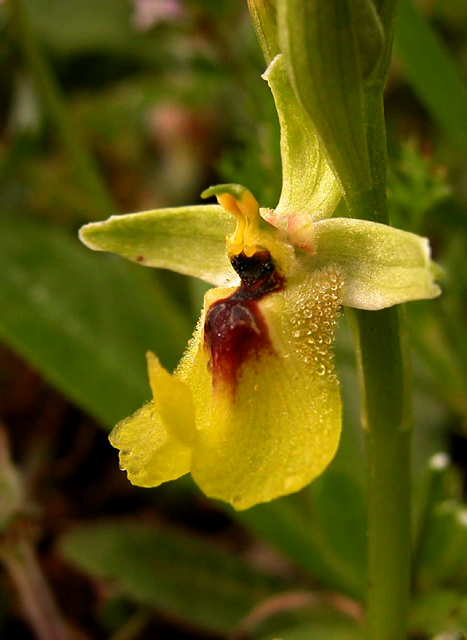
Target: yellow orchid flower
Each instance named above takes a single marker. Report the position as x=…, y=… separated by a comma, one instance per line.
x=253, y=410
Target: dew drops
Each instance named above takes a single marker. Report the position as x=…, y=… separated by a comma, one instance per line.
x=314, y=308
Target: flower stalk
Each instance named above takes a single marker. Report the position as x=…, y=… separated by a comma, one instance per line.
x=386, y=415
x=385, y=379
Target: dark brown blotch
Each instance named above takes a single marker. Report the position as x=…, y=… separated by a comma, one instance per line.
x=235, y=328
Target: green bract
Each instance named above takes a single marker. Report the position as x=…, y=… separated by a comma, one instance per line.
x=309, y=187
x=263, y=14
x=330, y=48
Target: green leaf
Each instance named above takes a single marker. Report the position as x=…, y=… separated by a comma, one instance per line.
x=442, y=556
x=370, y=35
x=339, y=515
x=415, y=187
x=435, y=491
x=322, y=52
x=85, y=26
x=386, y=10
x=288, y=529
x=431, y=73
x=308, y=184
x=183, y=577
x=330, y=626
x=439, y=612
x=263, y=15
x=190, y=240
x=84, y=321
x=380, y=265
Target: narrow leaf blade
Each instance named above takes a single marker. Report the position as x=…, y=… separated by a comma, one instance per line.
x=183, y=577
x=432, y=73
x=84, y=321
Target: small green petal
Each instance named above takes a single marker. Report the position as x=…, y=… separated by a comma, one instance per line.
x=309, y=188
x=189, y=240
x=237, y=191
x=380, y=266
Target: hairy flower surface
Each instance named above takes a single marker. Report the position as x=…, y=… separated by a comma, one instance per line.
x=253, y=410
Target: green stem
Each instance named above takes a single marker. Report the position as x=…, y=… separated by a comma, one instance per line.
x=86, y=170
x=387, y=420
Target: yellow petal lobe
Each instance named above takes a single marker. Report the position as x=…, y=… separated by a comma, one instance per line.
x=154, y=441
x=281, y=427
x=172, y=400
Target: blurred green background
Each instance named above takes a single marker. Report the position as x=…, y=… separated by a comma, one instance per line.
x=114, y=106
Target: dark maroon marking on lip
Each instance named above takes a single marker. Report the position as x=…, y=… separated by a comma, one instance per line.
x=140, y=259
x=234, y=328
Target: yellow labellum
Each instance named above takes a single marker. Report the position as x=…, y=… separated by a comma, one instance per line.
x=268, y=432
x=282, y=427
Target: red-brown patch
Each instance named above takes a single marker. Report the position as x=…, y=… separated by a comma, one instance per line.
x=235, y=328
